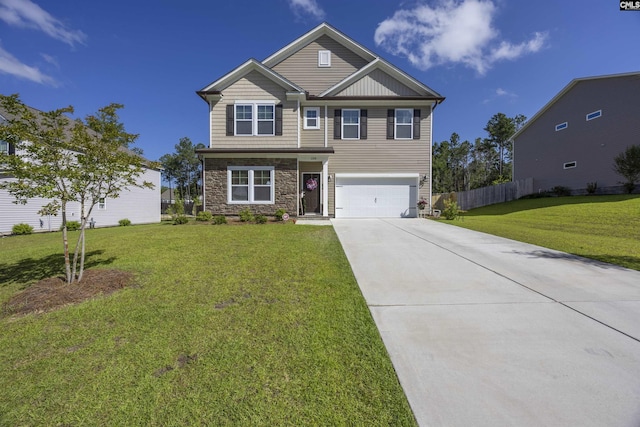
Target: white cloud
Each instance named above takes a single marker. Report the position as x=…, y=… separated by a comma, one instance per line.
x=9, y=64
x=307, y=7
x=26, y=14
x=50, y=59
x=454, y=31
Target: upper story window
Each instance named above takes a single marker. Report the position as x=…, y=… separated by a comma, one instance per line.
x=324, y=58
x=562, y=126
x=594, y=115
x=403, y=123
x=350, y=124
x=254, y=118
x=102, y=203
x=312, y=118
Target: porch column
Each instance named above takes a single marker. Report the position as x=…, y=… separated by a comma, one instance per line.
x=325, y=187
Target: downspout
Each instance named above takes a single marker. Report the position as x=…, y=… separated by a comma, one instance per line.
x=204, y=200
x=298, y=112
x=326, y=131
x=431, y=157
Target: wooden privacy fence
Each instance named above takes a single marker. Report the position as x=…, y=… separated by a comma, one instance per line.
x=486, y=195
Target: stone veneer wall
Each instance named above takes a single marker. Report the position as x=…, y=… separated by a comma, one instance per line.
x=215, y=183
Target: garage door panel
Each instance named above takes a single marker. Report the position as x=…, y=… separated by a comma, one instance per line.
x=375, y=197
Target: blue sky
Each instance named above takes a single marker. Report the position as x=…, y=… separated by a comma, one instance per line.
x=484, y=56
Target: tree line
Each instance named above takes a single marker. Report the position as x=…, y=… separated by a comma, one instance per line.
x=182, y=170
x=461, y=165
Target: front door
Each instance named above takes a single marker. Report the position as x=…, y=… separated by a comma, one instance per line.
x=311, y=188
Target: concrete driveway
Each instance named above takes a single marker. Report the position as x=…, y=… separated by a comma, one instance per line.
x=485, y=331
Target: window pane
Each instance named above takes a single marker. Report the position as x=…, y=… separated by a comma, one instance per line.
x=403, y=132
x=265, y=128
x=244, y=128
x=4, y=147
x=262, y=194
x=265, y=112
x=261, y=177
x=243, y=112
x=312, y=123
x=350, y=116
x=240, y=193
x=350, y=131
x=312, y=114
x=239, y=177
x=404, y=116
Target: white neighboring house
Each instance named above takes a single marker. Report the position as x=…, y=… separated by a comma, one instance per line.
x=139, y=205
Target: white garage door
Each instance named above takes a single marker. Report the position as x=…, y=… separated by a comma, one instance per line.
x=380, y=197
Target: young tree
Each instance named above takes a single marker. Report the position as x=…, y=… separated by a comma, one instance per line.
x=627, y=165
x=68, y=161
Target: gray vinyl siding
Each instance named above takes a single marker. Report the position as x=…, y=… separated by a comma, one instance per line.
x=254, y=87
x=302, y=67
x=540, y=151
x=312, y=137
x=376, y=154
x=378, y=83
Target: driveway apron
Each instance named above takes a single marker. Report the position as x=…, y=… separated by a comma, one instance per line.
x=486, y=331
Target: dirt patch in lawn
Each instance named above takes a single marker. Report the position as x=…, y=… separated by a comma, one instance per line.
x=54, y=292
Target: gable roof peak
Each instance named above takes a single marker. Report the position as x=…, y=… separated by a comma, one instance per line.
x=324, y=29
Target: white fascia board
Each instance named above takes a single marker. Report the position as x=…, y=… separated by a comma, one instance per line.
x=377, y=175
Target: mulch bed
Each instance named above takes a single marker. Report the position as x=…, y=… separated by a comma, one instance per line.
x=54, y=292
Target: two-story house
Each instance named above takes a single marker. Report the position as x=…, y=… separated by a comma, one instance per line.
x=321, y=127
x=574, y=138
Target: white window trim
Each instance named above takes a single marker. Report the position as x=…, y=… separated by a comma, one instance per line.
x=574, y=164
x=251, y=169
x=395, y=123
x=598, y=112
x=321, y=62
x=102, y=206
x=350, y=124
x=304, y=117
x=562, y=126
x=254, y=117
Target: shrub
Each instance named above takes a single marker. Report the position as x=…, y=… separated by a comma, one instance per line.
x=592, y=187
x=204, y=216
x=451, y=210
x=261, y=219
x=219, y=219
x=22, y=228
x=72, y=226
x=629, y=187
x=246, y=215
x=279, y=214
x=124, y=222
x=180, y=219
x=560, y=191
x=627, y=165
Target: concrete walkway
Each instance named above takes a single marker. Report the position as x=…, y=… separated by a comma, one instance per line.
x=485, y=331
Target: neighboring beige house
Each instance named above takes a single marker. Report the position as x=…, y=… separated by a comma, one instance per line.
x=139, y=205
x=573, y=139
x=323, y=118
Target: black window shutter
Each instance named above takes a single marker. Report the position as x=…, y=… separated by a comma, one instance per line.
x=337, y=123
x=230, y=119
x=12, y=149
x=363, y=124
x=416, y=123
x=390, y=123
x=279, y=119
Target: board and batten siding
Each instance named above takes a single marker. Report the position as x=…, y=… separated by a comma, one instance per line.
x=254, y=87
x=376, y=154
x=302, y=67
x=378, y=83
x=540, y=151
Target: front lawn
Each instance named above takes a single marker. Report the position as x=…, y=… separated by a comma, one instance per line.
x=226, y=325
x=606, y=228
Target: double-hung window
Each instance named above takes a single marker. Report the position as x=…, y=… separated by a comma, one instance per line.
x=350, y=124
x=4, y=147
x=250, y=184
x=403, y=123
x=254, y=119
x=312, y=118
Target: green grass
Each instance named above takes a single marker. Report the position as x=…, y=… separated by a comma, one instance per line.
x=605, y=228
x=228, y=325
